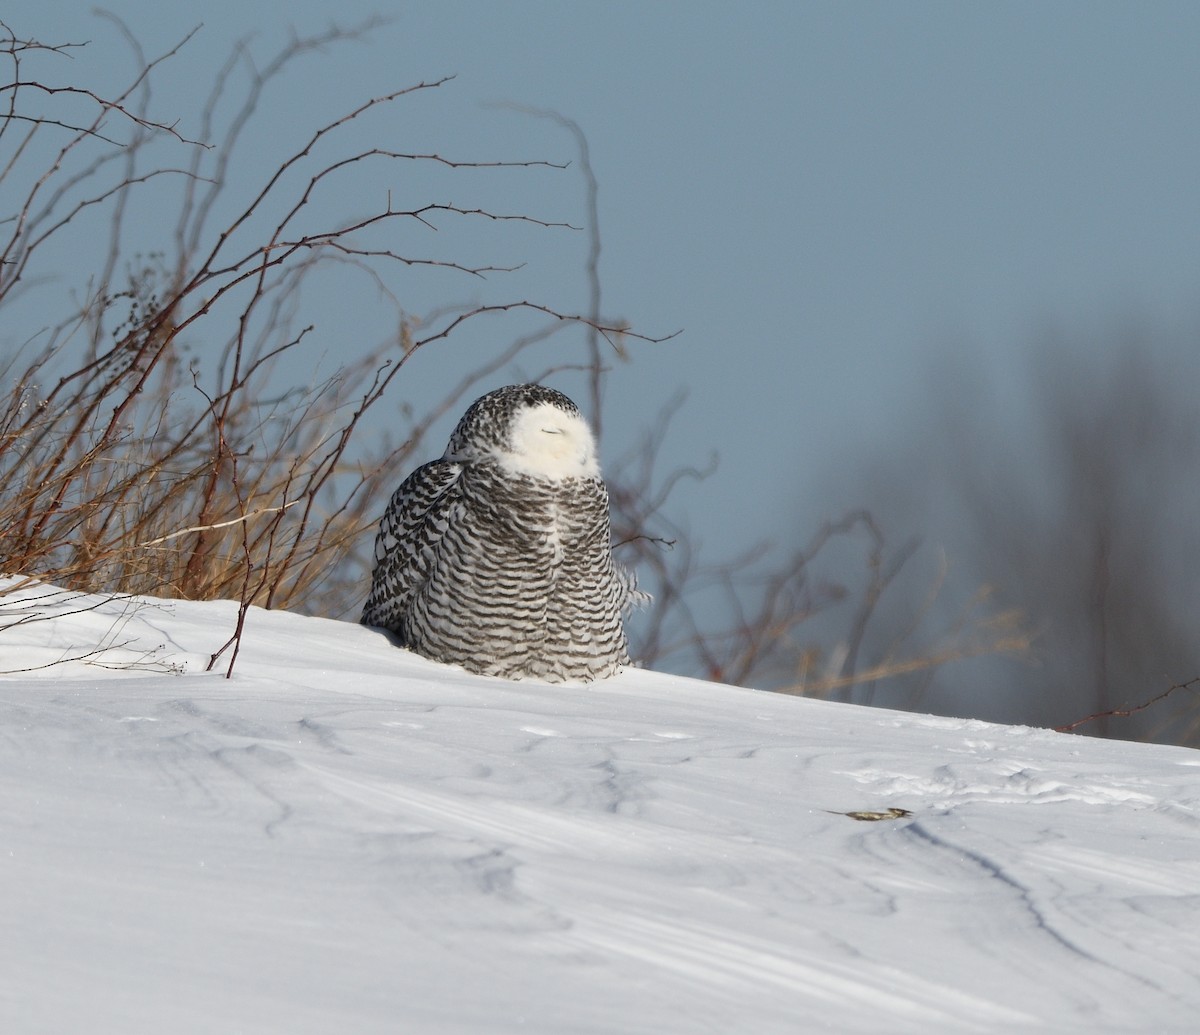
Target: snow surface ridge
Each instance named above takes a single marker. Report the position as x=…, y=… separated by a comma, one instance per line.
x=345, y=836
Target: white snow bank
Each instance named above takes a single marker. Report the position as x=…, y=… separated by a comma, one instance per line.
x=346, y=837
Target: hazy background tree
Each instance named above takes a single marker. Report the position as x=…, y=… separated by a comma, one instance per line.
x=1068, y=491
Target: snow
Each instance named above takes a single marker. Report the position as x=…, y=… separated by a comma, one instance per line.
x=346, y=837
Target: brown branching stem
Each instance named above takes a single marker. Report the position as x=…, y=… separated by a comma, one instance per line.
x=1128, y=711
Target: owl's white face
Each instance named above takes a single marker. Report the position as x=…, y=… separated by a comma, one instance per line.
x=547, y=442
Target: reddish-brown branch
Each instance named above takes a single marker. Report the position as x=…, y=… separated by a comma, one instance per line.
x=1125, y=713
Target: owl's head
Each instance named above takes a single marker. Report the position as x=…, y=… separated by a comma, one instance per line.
x=528, y=429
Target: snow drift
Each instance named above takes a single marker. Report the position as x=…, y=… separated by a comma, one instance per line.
x=347, y=837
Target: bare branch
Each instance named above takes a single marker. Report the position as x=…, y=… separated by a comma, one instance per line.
x=1127, y=711
x=220, y=524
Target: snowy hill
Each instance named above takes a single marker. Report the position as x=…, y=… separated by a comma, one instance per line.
x=348, y=838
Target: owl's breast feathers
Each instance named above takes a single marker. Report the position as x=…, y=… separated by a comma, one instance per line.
x=506, y=575
x=538, y=513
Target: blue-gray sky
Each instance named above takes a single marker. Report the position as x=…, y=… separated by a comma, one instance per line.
x=819, y=194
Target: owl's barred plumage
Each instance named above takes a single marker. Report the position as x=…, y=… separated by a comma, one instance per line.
x=498, y=556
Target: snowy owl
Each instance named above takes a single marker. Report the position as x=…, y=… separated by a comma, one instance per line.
x=498, y=557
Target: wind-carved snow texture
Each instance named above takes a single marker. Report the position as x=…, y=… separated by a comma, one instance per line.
x=347, y=837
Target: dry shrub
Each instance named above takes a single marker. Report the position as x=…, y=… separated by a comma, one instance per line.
x=146, y=443
x=749, y=619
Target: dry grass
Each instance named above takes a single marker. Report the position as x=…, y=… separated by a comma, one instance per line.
x=188, y=494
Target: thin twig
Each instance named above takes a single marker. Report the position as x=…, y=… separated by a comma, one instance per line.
x=1125, y=713
x=219, y=524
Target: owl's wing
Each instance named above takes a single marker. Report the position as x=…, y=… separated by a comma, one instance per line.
x=630, y=597
x=412, y=527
